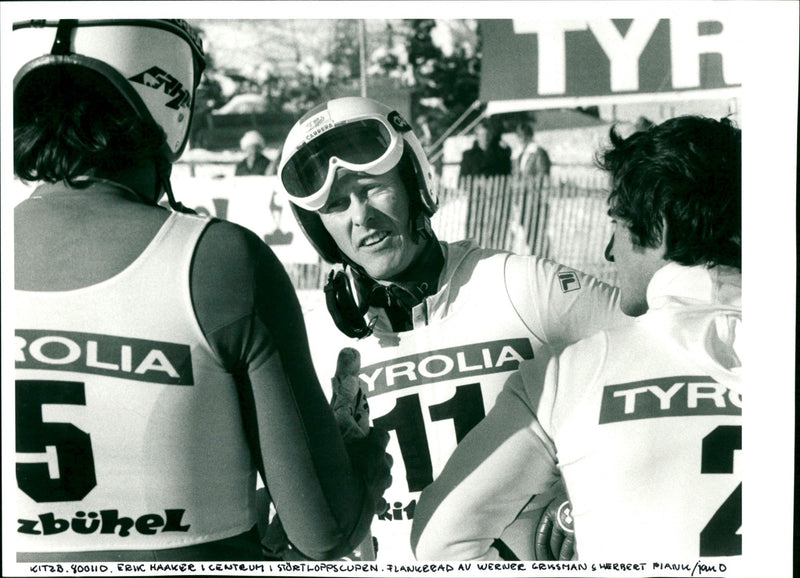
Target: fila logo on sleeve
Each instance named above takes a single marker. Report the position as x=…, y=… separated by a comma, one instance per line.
x=569, y=281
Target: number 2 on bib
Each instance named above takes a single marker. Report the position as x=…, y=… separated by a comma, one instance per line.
x=720, y=536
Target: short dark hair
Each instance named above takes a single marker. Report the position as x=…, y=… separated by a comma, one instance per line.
x=685, y=174
x=74, y=131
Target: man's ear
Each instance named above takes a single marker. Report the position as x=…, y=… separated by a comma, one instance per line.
x=659, y=250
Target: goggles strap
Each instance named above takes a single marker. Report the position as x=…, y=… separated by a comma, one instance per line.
x=342, y=306
x=349, y=317
x=421, y=227
x=62, y=45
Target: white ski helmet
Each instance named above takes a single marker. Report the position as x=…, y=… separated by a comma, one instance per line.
x=154, y=64
x=358, y=134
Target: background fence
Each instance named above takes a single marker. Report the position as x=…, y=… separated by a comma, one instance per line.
x=560, y=219
x=563, y=219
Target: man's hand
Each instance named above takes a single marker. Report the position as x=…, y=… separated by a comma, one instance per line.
x=555, y=534
x=366, y=446
x=349, y=402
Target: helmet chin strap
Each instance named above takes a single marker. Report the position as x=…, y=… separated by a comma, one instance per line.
x=163, y=173
x=421, y=227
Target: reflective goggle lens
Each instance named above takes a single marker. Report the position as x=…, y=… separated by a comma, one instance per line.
x=358, y=143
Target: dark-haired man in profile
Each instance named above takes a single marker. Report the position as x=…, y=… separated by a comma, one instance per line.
x=643, y=421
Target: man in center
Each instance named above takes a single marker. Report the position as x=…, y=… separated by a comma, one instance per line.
x=440, y=326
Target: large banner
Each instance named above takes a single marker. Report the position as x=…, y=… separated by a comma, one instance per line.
x=253, y=202
x=550, y=63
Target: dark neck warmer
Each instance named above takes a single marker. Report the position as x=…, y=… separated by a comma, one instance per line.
x=399, y=296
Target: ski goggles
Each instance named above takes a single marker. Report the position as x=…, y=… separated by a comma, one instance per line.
x=369, y=145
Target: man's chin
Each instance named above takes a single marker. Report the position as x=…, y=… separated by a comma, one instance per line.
x=380, y=265
x=382, y=273
x=634, y=309
x=383, y=269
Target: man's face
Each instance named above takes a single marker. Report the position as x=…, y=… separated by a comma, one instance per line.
x=635, y=267
x=368, y=218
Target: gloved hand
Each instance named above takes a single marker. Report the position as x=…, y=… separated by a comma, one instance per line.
x=369, y=458
x=365, y=445
x=349, y=403
x=274, y=541
x=555, y=534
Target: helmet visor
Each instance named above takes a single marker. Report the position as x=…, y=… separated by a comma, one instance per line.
x=366, y=145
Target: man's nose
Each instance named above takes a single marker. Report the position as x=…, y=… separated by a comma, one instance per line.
x=360, y=210
x=609, y=254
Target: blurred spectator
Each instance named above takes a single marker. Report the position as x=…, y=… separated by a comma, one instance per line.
x=201, y=124
x=532, y=163
x=207, y=97
x=255, y=163
x=531, y=160
x=489, y=156
x=424, y=132
x=208, y=94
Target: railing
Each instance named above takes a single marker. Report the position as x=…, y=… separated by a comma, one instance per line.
x=559, y=219
x=562, y=218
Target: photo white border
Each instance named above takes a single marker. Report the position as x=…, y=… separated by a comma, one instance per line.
x=769, y=121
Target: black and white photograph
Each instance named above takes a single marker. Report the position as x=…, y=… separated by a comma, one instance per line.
x=398, y=288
